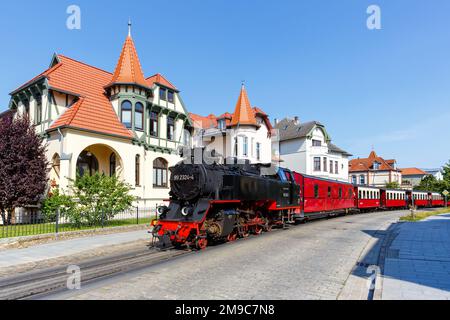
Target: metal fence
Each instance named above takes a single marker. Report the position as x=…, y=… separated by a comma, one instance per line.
x=32, y=222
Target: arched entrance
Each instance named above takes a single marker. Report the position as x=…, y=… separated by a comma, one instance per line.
x=99, y=158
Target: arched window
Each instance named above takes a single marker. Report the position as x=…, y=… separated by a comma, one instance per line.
x=126, y=110
x=112, y=165
x=139, y=116
x=87, y=163
x=160, y=173
x=56, y=169
x=56, y=165
x=137, y=171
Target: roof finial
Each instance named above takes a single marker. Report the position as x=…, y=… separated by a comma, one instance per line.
x=129, y=27
x=243, y=83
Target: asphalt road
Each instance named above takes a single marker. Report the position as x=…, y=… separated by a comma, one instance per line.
x=311, y=261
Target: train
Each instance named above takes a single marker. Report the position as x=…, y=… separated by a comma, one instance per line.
x=213, y=203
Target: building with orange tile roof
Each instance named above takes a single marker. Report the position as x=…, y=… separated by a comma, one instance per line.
x=244, y=134
x=120, y=123
x=374, y=171
x=411, y=177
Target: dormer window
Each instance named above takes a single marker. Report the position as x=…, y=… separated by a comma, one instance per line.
x=170, y=96
x=163, y=94
x=317, y=143
x=376, y=166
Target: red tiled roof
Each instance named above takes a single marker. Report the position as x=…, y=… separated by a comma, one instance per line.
x=366, y=164
x=412, y=172
x=204, y=122
x=128, y=69
x=93, y=111
x=159, y=79
x=243, y=113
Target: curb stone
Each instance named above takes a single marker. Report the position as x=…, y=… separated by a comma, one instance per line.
x=27, y=241
x=388, y=239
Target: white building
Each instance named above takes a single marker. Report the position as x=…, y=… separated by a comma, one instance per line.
x=306, y=148
x=118, y=123
x=245, y=134
x=437, y=173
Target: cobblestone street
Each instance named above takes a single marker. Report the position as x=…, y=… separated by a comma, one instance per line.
x=311, y=261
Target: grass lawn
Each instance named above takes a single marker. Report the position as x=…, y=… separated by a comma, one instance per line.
x=44, y=228
x=421, y=215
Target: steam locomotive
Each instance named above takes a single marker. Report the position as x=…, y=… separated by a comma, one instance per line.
x=215, y=202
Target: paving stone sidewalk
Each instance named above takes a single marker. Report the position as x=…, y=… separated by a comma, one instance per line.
x=62, y=248
x=417, y=264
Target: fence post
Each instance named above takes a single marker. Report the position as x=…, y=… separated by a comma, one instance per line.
x=57, y=222
x=137, y=215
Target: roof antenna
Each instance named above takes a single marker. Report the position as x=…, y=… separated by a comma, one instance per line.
x=129, y=27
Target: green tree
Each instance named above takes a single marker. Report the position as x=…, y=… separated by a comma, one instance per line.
x=99, y=198
x=446, y=170
x=23, y=166
x=57, y=200
x=393, y=185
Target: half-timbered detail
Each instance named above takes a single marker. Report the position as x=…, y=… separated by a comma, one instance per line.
x=119, y=123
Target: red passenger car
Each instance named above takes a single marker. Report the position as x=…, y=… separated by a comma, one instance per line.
x=437, y=200
x=367, y=198
x=322, y=197
x=393, y=199
x=420, y=199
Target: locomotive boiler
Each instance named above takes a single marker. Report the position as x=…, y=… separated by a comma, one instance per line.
x=215, y=202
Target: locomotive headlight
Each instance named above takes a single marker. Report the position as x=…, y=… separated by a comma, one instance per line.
x=186, y=211
x=162, y=210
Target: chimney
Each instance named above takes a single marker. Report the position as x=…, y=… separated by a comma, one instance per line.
x=296, y=120
x=276, y=121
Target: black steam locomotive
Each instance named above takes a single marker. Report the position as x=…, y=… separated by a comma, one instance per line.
x=214, y=202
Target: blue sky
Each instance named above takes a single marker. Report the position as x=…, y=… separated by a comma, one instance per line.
x=316, y=59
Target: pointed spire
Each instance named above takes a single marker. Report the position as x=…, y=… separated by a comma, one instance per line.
x=243, y=114
x=128, y=69
x=129, y=27
x=373, y=155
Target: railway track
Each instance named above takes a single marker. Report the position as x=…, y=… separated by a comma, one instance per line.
x=38, y=284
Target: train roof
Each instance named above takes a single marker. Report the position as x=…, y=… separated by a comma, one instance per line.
x=323, y=179
x=366, y=187
x=397, y=190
